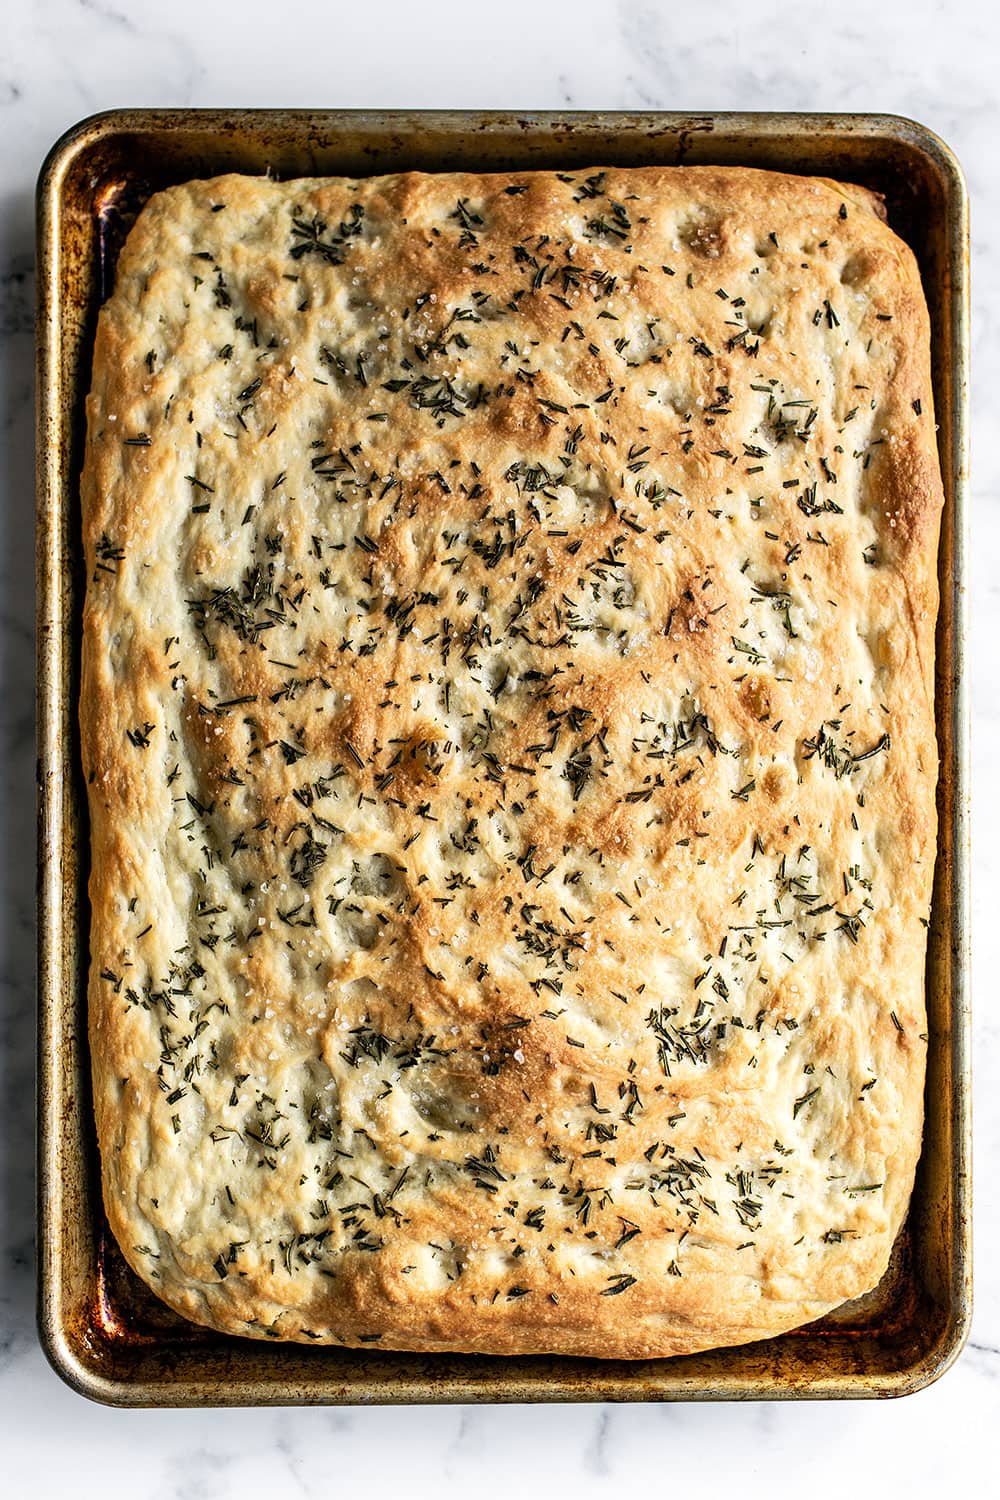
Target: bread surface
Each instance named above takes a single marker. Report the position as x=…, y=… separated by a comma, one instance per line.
x=508, y=721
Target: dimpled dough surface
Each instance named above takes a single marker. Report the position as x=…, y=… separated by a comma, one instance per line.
x=507, y=717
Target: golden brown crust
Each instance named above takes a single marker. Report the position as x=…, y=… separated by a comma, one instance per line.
x=507, y=713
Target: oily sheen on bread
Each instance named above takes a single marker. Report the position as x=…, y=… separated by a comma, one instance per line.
x=508, y=721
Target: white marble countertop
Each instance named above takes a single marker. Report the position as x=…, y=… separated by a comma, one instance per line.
x=63, y=59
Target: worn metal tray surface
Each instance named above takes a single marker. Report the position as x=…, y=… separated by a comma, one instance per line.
x=106, y=1334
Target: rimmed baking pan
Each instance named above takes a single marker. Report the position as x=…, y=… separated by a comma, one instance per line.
x=102, y=1329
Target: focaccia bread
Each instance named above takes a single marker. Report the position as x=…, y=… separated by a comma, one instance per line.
x=507, y=714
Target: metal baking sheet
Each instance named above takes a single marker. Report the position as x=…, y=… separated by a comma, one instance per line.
x=102, y=1329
